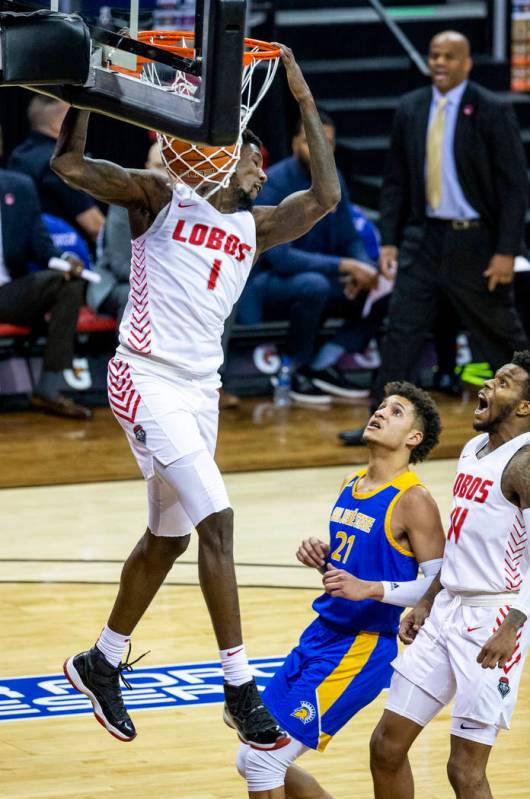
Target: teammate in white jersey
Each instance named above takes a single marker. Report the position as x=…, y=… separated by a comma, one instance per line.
x=191, y=258
x=469, y=637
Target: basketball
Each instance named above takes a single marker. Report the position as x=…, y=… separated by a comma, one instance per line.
x=194, y=163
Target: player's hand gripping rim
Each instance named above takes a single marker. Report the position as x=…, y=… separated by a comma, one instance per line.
x=297, y=83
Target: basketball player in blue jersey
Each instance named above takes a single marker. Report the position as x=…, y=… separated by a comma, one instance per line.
x=383, y=526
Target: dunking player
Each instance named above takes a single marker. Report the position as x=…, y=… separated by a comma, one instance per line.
x=486, y=589
x=191, y=258
x=384, y=523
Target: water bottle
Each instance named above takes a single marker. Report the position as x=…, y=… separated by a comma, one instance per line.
x=283, y=384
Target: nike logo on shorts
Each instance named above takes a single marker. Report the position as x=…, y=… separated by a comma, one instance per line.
x=186, y=205
x=465, y=727
x=472, y=629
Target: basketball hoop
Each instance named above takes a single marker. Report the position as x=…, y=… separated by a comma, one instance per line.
x=193, y=164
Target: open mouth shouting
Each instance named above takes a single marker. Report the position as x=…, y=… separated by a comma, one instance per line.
x=483, y=405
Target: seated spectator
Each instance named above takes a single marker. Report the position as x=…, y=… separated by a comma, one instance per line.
x=67, y=239
x=32, y=157
x=324, y=273
x=25, y=297
x=113, y=265
x=114, y=260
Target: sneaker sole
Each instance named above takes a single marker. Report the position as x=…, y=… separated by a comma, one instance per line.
x=307, y=398
x=279, y=744
x=349, y=393
x=74, y=678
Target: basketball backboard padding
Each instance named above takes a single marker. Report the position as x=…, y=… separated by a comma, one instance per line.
x=51, y=38
x=212, y=117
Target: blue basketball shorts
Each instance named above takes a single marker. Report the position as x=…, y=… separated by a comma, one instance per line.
x=327, y=679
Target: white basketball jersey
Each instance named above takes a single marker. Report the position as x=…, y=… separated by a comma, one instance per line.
x=487, y=547
x=187, y=272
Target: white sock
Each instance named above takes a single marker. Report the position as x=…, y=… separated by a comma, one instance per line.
x=112, y=645
x=235, y=665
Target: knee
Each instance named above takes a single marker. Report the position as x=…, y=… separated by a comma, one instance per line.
x=241, y=760
x=313, y=286
x=71, y=292
x=464, y=773
x=216, y=531
x=265, y=770
x=161, y=552
x=386, y=752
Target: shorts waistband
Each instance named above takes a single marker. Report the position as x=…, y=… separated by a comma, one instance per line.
x=341, y=630
x=156, y=367
x=487, y=600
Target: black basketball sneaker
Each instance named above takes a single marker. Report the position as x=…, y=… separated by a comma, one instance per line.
x=92, y=675
x=245, y=712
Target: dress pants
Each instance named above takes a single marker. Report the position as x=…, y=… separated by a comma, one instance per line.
x=436, y=262
x=25, y=301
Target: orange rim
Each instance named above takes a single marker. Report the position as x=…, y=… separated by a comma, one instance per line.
x=255, y=50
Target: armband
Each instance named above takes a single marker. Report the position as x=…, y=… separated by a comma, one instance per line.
x=408, y=594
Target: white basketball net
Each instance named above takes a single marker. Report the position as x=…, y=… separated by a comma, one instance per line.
x=207, y=168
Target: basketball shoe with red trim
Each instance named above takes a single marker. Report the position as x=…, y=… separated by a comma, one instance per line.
x=245, y=712
x=92, y=675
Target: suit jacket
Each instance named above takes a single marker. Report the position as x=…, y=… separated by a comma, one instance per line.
x=24, y=236
x=114, y=262
x=490, y=164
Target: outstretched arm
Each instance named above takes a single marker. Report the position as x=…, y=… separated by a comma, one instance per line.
x=298, y=212
x=501, y=645
x=137, y=190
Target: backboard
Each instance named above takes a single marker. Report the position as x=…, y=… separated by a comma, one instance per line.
x=210, y=116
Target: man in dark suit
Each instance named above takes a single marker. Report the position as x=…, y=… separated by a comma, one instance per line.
x=453, y=206
x=25, y=297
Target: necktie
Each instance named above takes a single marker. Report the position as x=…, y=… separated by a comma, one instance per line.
x=435, y=143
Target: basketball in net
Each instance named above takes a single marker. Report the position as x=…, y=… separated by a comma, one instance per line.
x=197, y=165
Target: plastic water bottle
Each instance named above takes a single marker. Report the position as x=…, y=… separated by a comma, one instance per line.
x=283, y=385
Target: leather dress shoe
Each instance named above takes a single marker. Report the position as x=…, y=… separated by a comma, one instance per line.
x=352, y=438
x=228, y=401
x=60, y=406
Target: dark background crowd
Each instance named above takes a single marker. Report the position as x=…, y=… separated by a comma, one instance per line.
x=440, y=253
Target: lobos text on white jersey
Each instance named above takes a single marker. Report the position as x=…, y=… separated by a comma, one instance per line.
x=487, y=548
x=187, y=272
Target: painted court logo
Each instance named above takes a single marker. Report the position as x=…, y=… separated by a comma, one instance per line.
x=305, y=712
x=183, y=685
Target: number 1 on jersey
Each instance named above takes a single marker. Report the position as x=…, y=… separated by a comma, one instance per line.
x=214, y=274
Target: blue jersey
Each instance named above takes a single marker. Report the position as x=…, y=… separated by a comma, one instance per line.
x=361, y=543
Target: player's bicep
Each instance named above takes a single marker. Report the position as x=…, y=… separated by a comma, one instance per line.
x=107, y=182
x=516, y=479
x=289, y=220
x=423, y=525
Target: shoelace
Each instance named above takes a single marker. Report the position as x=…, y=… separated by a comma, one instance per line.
x=128, y=667
x=253, y=711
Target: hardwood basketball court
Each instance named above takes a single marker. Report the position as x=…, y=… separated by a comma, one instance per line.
x=64, y=538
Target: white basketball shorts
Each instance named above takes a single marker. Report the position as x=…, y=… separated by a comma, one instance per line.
x=171, y=426
x=442, y=661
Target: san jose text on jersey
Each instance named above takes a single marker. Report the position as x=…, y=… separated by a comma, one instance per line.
x=361, y=542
